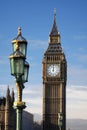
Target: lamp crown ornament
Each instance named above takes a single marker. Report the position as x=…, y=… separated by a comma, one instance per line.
x=20, y=43
x=19, y=31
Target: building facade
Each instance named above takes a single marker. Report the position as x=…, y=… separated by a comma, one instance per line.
x=8, y=114
x=54, y=83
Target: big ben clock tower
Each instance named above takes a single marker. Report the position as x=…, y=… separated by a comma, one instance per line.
x=54, y=83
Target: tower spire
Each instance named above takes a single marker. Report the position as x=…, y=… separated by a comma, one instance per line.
x=8, y=93
x=54, y=30
x=8, y=98
x=54, y=34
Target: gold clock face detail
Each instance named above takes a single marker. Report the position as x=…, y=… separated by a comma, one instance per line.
x=53, y=70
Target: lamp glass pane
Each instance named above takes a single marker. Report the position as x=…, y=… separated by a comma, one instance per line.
x=14, y=47
x=19, y=66
x=25, y=76
x=12, y=66
x=22, y=48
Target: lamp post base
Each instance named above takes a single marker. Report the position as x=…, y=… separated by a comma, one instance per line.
x=19, y=106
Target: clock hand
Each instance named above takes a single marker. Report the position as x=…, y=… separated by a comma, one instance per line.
x=53, y=68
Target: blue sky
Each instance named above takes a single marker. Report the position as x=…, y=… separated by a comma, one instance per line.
x=36, y=20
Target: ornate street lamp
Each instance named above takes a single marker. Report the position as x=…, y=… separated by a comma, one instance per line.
x=19, y=69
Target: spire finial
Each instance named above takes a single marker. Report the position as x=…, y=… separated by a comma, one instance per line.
x=8, y=92
x=19, y=31
x=54, y=13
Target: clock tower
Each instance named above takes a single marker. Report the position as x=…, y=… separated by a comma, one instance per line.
x=54, y=83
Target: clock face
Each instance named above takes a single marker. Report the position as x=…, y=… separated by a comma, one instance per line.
x=53, y=70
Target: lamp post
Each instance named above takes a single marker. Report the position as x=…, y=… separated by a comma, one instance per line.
x=60, y=120
x=19, y=69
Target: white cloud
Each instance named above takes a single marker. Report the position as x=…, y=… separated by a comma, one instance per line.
x=38, y=43
x=76, y=102
x=77, y=74
x=76, y=106
x=83, y=58
x=80, y=57
x=33, y=98
x=81, y=37
x=3, y=89
x=32, y=95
